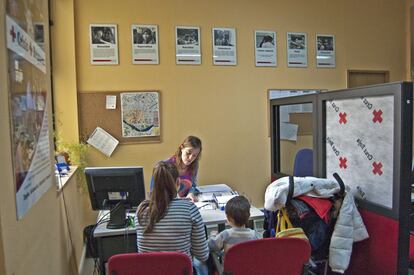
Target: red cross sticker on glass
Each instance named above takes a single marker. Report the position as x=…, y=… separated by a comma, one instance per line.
x=377, y=168
x=342, y=118
x=13, y=34
x=342, y=163
x=377, y=116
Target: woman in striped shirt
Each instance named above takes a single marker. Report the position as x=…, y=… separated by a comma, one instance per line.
x=167, y=223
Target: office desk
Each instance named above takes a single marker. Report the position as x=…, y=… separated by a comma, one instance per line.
x=124, y=240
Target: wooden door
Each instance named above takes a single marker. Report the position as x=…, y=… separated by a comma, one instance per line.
x=357, y=78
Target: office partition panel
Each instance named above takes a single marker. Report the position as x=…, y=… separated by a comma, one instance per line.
x=365, y=135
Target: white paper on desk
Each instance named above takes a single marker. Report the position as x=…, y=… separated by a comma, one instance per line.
x=103, y=141
x=204, y=205
x=214, y=188
x=205, y=197
x=222, y=200
x=211, y=196
x=111, y=102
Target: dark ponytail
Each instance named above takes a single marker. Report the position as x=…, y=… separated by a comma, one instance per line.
x=153, y=210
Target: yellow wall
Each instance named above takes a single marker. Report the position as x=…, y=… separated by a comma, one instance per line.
x=48, y=240
x=226, y=106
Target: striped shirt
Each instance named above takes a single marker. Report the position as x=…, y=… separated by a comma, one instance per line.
x=181, y=229
x=229, y=237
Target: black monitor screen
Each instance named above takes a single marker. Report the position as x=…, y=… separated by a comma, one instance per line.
x=115, y=189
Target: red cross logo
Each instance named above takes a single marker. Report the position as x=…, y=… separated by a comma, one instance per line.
x=342, y=118
x=377, y=168
x=13, y=34
x=342, y=163
x=377, y=116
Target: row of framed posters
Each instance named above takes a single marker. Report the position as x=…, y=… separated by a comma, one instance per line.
x=145, y=45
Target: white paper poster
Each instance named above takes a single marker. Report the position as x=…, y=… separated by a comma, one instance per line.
x=297, y=49
x=325, y=51
x=224, y=46
x=103, y=141
x=359, y=146
x=103, y=44
x=145, y=44
x=187, y=46
x=265, y=48
x=31, y=140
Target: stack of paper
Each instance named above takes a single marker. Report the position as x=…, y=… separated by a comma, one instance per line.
x=214, y=188
x=223, y=199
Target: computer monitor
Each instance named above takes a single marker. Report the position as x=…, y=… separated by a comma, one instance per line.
x=116, y=189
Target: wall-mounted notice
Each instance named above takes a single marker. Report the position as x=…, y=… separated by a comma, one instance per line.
x=28, y=93
x=297, y=49
x=265, y=48
x=325, y=51
x=103, y=44
x=224, y=46
x=145, y=44
x=359, y=146
x=187, y=45
x=110, y=102
x=103, y=141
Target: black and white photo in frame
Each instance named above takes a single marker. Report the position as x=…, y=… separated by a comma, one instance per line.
x=144, y=44
x=187, y=46
x=224, y=46
x=265, y=48
x=297, y=49
x=325, y=51
x=103, y=44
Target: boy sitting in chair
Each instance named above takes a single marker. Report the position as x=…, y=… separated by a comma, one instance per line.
x=238, y=214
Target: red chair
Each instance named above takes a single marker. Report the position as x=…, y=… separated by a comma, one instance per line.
x=154, y=263
x=277, y=256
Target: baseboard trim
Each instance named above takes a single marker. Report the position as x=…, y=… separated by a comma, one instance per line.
x=82, y=260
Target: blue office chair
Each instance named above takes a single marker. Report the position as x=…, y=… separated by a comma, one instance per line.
x=303, y=166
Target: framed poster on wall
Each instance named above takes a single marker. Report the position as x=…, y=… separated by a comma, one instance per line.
x=265, y=48
x=187, y=45
x=325, y=51
x=224, y=46
x=297, y=49
x=103, y=44
x=144, y=44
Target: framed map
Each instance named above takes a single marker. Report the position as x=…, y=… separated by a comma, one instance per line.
x=140, y=114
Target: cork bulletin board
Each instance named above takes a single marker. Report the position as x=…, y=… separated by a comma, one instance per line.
x=92, y=112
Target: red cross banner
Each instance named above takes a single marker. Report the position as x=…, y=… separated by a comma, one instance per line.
x=359, y=145
x=29, y=102
x=21, y=43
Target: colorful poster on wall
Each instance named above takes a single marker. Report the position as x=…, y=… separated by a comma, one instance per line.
x=187, y=45
x=145, y=44
x=103, y=44
x=29, y=106
x=325, y=51
x=224, y=46
x=265, y=48
x=359, y=146
x=140, y=114
x=297, y=49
